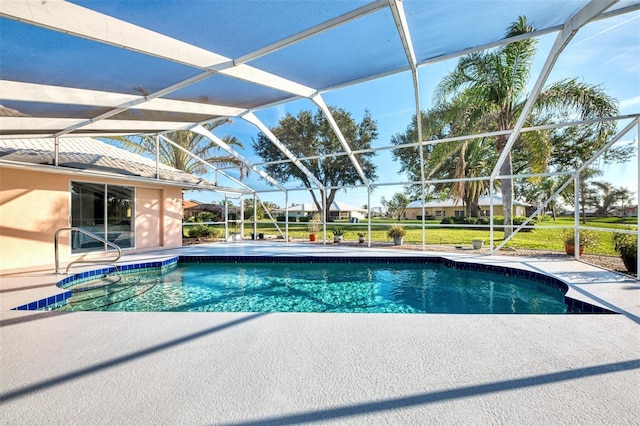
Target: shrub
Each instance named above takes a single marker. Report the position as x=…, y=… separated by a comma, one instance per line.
x=587, y=238
x=304, y=219
x=627, y=246
x=205, y=217
x=396, y=231
x=483, y=221
x=519, y=220
x=200, y=231
x=466, y=220
x=446, y=221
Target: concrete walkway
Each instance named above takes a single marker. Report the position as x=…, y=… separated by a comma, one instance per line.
x=291, y=368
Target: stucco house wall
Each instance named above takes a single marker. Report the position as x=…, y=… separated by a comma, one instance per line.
x=34, y=204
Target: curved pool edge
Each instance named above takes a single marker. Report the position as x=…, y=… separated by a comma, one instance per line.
x=573, y=305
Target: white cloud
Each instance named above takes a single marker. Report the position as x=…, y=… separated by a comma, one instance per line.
x=631, y=102
x=607, y=29
x=280, y=111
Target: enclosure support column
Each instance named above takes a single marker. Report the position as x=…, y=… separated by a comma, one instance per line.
x=324, y=215
x=157, y=156
x=241, y=216
x=226, y=218
x=286, y=216
x=491, y=245
x=255, y=216
x=416, y=88
x=637, y=197
x=576, y=215
x=400, y=19
x=56, y=151
x=368, y=216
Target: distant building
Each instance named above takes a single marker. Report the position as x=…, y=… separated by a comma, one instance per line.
x=337, y=210
x=448, y=208
x=379, y=211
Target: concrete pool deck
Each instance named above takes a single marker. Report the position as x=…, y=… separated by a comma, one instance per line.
x=292, y=368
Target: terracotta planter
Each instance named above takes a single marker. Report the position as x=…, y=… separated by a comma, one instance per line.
x=571, y=250
x=312, y=237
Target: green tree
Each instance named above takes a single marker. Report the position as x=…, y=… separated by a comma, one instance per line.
x=396, y=206
x=624, y=197
x=169, y=155
x=207, y=150
x=310, y=135
x=248, y=208
x=494, y=83
x=433, y=127
x=540, y=191
x=588, y=196
x=471, y=158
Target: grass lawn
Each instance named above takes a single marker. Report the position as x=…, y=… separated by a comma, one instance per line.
x=544, y=237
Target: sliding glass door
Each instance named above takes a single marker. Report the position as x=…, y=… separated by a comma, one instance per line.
x=104, y=210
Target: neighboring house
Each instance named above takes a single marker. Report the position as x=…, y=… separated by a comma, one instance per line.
x=448, y=208
x=628, y=211
x=189, y=203
x=103, y=189
x=337, y=210
x=379, y=211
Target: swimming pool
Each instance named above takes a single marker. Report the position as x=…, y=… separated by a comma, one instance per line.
x=301, y=285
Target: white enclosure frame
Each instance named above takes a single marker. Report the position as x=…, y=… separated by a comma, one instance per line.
x=88, y=24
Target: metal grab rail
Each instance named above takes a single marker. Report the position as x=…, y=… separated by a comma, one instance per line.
x=90, y=234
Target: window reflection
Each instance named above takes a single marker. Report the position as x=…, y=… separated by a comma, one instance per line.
x=90, y=204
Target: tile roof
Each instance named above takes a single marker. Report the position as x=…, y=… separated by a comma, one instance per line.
x=91, y=154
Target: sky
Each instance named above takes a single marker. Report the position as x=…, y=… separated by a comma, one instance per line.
x=603, y=53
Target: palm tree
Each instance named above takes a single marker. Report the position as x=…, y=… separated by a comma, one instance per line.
x=192, y=142
x=494, y=84
x=172, y=156
x=471, y=158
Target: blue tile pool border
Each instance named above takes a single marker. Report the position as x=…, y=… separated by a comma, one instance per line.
x=78, y=278
x=573, y=305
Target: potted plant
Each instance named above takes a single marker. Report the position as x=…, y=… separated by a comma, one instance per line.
x=337, y=234
x=397, y=232
x=314, y=226
x=588, y=239
x=361, y=237
x=627, y=246
x=477, y=244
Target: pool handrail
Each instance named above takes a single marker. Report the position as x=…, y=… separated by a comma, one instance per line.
x=90, y=234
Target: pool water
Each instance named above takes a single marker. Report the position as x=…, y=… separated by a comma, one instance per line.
x=319, y=287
